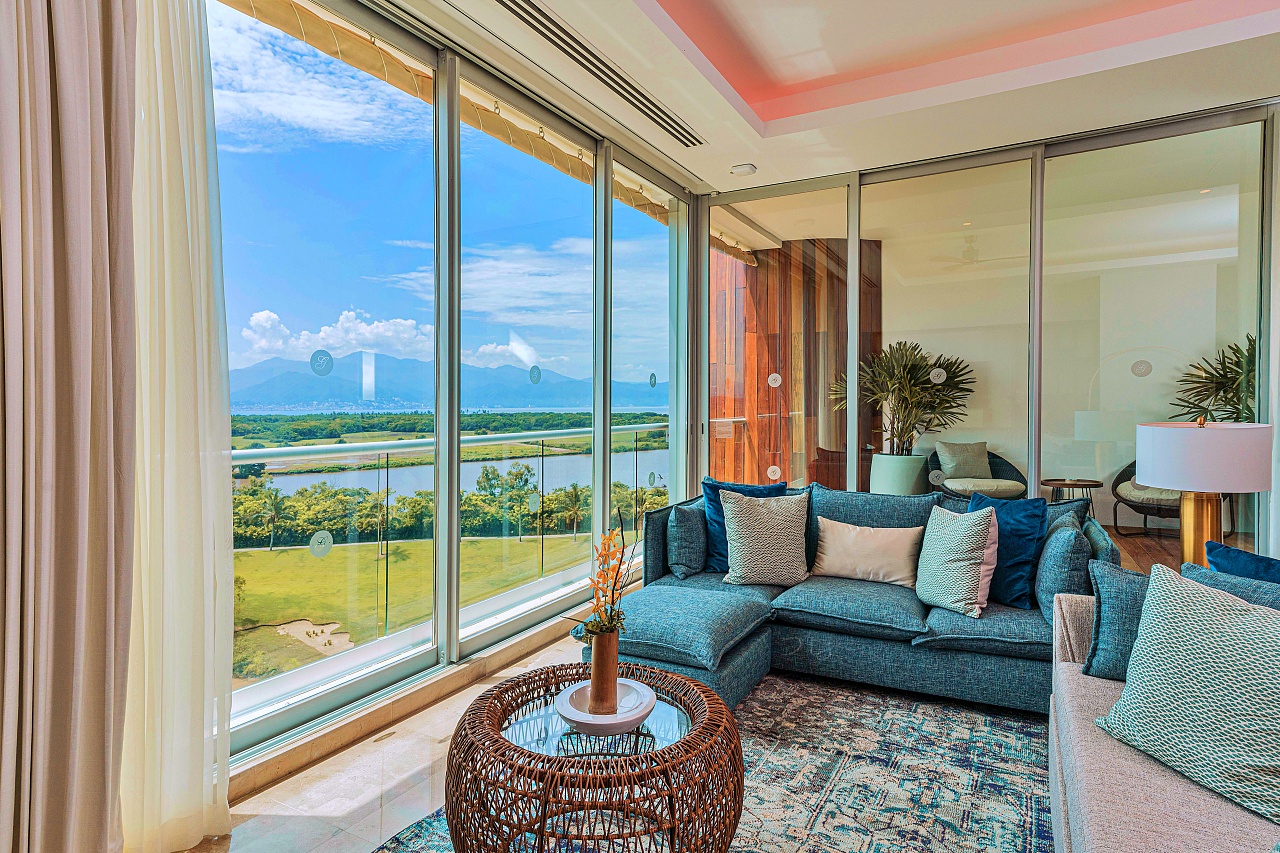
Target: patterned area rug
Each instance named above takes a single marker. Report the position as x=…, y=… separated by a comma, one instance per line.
x=838, y=768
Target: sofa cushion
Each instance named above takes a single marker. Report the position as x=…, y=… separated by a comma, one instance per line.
x=1022, y=527
x=688, y=626
x=766, y=538
x=1118, y=595
x=957, y=559
x=991, y=487
x=1079, y=507
x=1117, y=797
x=1008, y=631
x=717, y=540
x=1099, y=542
x=1203, y=690
x=1243, y=564
x=1262, y=593
x=686, y=540
x=715, y=582
x=963, y=461
x=1064, y=563
x=845, y=606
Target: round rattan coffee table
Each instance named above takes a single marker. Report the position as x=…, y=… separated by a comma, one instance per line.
x=520, y=780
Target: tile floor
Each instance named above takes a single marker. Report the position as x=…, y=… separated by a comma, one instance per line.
x=353, y=801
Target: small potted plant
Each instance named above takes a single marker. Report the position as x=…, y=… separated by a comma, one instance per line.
x=916, y=393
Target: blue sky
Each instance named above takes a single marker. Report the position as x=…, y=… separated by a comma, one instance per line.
x=326, y=192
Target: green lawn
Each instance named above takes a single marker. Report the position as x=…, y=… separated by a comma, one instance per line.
x=349, y=585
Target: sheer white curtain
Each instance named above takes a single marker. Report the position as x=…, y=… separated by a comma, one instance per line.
x=176, y=747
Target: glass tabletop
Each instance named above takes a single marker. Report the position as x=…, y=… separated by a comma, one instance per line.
x=538, y=728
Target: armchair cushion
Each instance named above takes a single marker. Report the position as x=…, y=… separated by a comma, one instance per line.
x=993, y=488
x=1133, y=493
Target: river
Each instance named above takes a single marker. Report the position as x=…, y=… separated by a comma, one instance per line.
x=554, y=472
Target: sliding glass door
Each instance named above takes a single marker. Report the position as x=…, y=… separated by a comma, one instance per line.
x=1151, y=294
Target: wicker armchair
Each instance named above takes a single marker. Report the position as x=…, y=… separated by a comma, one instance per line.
x=1152, y=509
x=1001, y=469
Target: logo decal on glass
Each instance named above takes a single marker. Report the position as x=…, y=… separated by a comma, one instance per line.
x=653, y=380
x=321, y=543
x=653, y=478
x=775, y=379
x=1140, y=368
x=535, y=374
x=535, y=501
x=936, y=477
x=774, y=472
x=937, y=376
x=321, y=362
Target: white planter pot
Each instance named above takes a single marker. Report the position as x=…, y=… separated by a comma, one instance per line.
x=898, y=475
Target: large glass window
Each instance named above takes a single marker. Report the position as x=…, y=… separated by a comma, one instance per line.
x=327, y=188
x=945, y=267
x=646, y=261
x=778, y=339
x=1151, y=268
x=527, y=362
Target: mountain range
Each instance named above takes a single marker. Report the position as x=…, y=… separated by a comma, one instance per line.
x=409, y=384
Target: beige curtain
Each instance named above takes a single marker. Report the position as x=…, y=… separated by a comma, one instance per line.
x=67, y=422
x=177, y=744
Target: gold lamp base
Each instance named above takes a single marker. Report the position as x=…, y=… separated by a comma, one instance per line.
x=1201, y=522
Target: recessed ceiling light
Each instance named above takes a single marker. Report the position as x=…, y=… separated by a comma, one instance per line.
x=1202, y=192
x=742, y=170
x=966, y=223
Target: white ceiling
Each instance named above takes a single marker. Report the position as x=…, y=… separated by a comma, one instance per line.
x=1143, y=80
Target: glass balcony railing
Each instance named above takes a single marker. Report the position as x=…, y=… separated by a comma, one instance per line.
x=334, y=543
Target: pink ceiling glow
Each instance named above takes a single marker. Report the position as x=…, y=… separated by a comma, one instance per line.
x=786, y=58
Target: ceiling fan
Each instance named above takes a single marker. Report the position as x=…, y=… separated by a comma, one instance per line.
x=969, y=256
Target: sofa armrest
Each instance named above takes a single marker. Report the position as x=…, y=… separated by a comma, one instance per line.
x=1072, y=627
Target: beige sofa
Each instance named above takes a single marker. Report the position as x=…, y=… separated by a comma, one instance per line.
x=1107, y=796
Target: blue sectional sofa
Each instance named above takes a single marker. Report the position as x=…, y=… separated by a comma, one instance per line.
x=728, y=637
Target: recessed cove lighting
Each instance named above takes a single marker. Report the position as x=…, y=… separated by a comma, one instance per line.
x=742, y=170
x=966, y=223
x=1202, y=192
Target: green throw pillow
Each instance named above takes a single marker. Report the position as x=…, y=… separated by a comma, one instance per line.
x=1203, y=690
x=963, y=460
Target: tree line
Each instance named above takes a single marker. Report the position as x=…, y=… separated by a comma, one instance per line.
x=502, y=504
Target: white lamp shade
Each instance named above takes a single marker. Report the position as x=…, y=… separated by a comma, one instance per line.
x=1225, y=458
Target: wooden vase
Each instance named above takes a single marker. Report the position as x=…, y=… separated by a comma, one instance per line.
x=604, y=674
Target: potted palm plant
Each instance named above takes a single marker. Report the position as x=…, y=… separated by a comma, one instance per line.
x=1222, y=389
x=916, y=393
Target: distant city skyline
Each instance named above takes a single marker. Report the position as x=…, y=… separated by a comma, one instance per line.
x=327, y=196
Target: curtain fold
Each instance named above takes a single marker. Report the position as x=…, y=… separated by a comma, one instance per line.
x=177, y=745
x=66, y=418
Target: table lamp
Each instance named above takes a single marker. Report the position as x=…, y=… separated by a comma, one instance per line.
x=1203, y=461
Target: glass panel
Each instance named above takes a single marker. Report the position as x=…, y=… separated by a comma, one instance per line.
x=945, y=266
x=646, y=257
x=1151, y=265
x=778, y=339
x=527, y=362
x=326, y=182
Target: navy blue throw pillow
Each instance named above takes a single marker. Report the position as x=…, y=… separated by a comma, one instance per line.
x=1242, y=564
x=1022, y=525
x=717, y=538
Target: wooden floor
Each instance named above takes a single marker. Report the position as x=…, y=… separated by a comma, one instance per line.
x=1138, y=552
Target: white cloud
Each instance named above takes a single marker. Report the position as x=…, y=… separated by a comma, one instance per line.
x=266, y=336
x=271, y=90
x=516, y=351
x=411, y=244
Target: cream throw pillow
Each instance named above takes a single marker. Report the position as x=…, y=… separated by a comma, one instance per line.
x=883, y=554
x=963, y=461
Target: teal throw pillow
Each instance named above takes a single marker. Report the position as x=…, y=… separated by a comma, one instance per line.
x=686, y=540
x=1118, y=595
x=1203, y=692
x=1064, y=563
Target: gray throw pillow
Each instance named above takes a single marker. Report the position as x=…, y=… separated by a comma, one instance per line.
x=1064, y=564
x=686, y=541
x=766, y=538
x=963, y=460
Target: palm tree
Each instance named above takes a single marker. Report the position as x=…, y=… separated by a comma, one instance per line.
x=575, y=510
x=276, y=510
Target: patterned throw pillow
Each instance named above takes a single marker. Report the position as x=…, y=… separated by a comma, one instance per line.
x=1203, y=692
x=957, y=559
x=766, y=538
x=963, y=460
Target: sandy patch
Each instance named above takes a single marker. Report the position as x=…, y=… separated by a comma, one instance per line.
x=326, y=639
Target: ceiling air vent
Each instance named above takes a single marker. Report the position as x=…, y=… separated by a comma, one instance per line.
x=572, y=45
